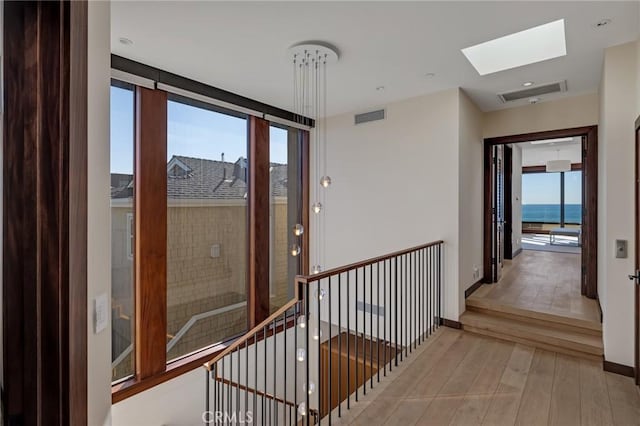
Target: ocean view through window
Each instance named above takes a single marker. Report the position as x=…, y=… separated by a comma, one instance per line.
x=541, y=197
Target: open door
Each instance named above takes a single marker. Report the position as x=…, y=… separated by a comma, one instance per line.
x=497, y=212
x=508, y=202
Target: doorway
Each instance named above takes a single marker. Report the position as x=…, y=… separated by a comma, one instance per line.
x=498, y=221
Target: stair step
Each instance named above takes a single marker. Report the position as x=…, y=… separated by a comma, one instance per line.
x=485, y=305
x=534, y=333
x=549, y=323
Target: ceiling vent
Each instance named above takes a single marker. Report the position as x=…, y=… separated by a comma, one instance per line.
x=531, y=92
x=369, y=116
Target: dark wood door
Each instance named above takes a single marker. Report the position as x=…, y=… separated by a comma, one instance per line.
x=508, y=202
x=497, y=212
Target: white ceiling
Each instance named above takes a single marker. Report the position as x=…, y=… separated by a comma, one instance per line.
x=242, y=46
x=539, y=154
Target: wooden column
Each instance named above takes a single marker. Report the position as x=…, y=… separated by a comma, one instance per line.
x=150, y=195
x=45, y=213
x=258, y=268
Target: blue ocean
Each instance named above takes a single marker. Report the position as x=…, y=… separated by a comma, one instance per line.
x=550, y=213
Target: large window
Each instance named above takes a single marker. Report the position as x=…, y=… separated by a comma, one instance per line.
x=573, y=197
x=206, y=227
x=552, y=198
x=280, y=228
x=122, y=232
x=233, y=194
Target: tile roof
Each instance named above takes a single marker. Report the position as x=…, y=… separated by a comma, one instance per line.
x=197, y=178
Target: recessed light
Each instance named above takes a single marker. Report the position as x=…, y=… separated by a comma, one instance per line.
x=527, y=83
x=125, y=41
x=526, y=47
x=602, y=23
x=534, y=100
x=430, y=75
x=380, y=88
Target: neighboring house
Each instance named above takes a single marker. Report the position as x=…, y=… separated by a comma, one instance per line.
x=206, y=238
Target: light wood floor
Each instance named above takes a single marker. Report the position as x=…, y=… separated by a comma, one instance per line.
x=543, y=282
x=459, y=378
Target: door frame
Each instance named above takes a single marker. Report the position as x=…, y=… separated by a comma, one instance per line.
x=589, y=134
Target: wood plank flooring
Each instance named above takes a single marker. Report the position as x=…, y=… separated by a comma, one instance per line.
x=459, y=378
x=544, y=282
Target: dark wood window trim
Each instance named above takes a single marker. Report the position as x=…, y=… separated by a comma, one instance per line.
x=259, y=247
x=150, y=258
x=150, y=216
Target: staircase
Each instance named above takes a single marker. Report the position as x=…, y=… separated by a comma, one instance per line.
x=571, y=336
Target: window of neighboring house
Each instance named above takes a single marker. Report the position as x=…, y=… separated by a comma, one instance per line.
x=122, y=232
x=130, y=228
x=206, y=227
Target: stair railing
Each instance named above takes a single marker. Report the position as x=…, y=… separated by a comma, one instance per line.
x=343, y=330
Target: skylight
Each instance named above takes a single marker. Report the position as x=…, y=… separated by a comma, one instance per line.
x=522, y=48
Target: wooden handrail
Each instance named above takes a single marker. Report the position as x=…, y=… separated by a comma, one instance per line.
x=306, y=279
x=251, y=333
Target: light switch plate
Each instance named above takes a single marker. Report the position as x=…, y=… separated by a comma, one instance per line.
x=100, y=313
x=621, y=249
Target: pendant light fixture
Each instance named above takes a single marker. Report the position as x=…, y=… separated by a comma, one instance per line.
x=310, y=62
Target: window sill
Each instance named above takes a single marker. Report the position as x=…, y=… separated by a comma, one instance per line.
x=175, y=368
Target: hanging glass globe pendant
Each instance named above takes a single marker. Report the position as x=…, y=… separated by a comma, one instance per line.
x=317, y=207
x=316, y=269
x=298, y=229
x=325, y=181
x=295, y=250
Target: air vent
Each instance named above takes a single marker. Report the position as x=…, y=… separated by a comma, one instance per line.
x=369, y=116
x=530, y=92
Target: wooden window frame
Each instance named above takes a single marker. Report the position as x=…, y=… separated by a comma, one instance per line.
x=150, y=258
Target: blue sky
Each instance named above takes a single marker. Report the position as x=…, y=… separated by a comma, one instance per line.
x=544, y=188
x=191, y=132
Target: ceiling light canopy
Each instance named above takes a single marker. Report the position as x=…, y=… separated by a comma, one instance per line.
x=522, y=48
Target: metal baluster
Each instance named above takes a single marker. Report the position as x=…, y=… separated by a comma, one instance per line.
x=318, y=358
x=246, y=376
x=364, y=328
x=378, y=313
x=307, y=311
x=339, y=344
x=386, y=312
x=406, y=306
x=356, y=337
x=411, y=303
x=439, y=280
x=431, y=305
x=206, y=390
x=295, y=361
x=264, y=363
x=330, y=373
x=255, y=374
x=275, y=368
x=348, y=342
x=395, y=299
x=284, y=366
x=370, y=325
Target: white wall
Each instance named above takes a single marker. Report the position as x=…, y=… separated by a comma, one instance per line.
x=616, y=199
x=99, y=229
x=394, y=184
x=563, y=113
x=470, y=194
x=516, y=199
